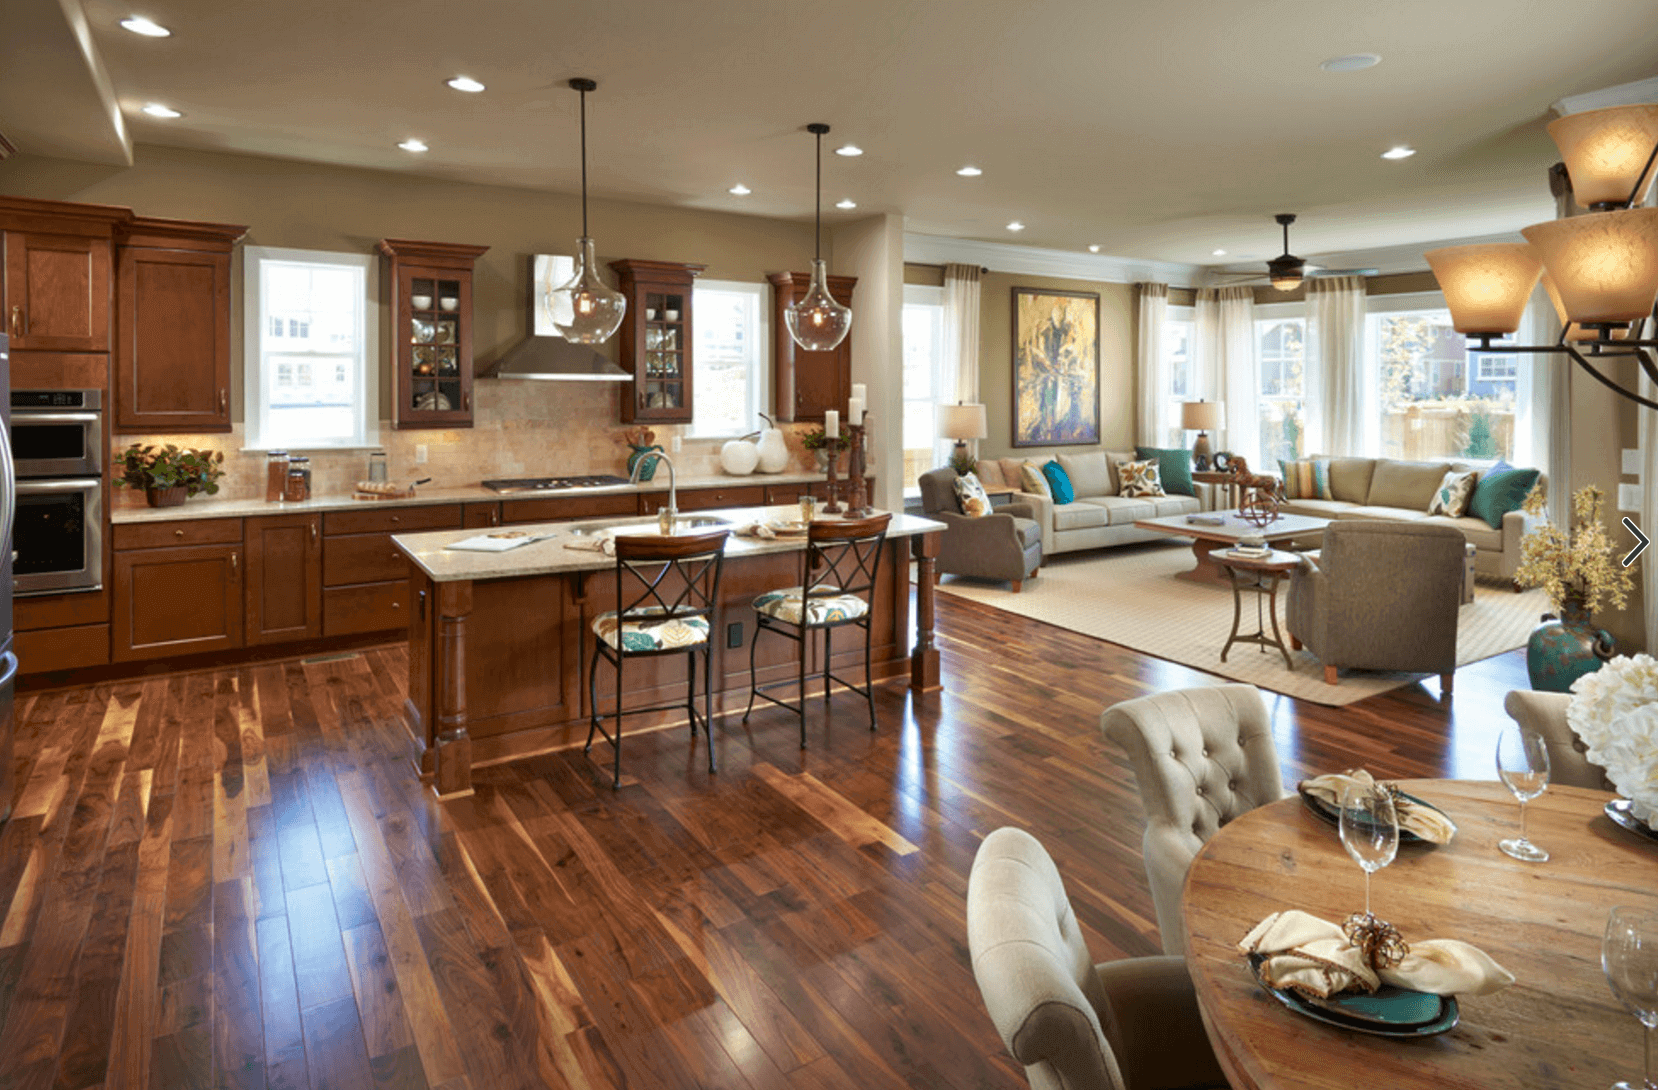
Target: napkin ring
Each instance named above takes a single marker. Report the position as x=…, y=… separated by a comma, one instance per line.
x=1379, y=941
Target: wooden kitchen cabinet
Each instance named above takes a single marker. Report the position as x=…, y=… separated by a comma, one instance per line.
x=175, y=601
x=656, y=340
x=432, y=342
x=365, y=578
x=172, y=345
x=805, y=384
x=284, y=578
x=57, y=291
x=703, y=499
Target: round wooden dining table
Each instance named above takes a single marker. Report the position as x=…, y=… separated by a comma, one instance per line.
x=1557, y=1025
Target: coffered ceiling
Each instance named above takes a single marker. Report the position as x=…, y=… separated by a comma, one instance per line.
x=1156, y=131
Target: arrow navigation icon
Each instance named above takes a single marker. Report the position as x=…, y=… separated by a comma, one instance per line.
x=1641, y=541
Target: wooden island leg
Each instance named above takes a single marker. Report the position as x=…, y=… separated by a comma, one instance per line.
x=924, y=659
x=448, y=737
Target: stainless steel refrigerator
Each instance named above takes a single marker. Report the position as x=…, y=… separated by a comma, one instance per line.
x=8, y=514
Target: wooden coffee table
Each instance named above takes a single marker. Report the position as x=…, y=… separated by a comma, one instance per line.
x=1207, y=537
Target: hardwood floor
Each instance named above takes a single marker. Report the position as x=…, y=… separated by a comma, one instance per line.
x=233, y=878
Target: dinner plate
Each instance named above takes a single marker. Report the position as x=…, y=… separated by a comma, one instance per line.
x=1622, y=812
x=1386, y=1012
x=433, y=402
x=788, y=529
x=1330, y=814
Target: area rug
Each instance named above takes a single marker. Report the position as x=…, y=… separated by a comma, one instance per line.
x=1129, y=596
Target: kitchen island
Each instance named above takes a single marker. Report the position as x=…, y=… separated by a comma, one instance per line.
x=499, y=642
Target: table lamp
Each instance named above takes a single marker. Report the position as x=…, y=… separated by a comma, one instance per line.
x=1202, y=417
x=961, y=422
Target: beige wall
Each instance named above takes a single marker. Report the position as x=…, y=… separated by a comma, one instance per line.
x=872, y=249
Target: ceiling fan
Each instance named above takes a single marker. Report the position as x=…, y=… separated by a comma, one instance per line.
x=1286, y=271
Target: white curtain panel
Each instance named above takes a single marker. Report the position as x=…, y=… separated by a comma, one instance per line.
x=961, y=345
x=1335, y=355
x=1226, y=366
x=1156, y=427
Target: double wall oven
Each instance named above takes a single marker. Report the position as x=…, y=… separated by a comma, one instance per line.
x=57, y=445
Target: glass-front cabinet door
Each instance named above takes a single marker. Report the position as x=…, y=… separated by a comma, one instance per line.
x=431, y=332
x=656, y=340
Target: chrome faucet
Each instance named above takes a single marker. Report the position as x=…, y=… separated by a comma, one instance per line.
x=673, y=488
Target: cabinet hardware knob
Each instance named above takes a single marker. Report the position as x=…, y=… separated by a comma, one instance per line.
x=394, y=518
x=178, y=533
x=466, y=401
x=397, y=605
x=17, y=322
x=233, y=559
x=313, y=533
x=223, y=401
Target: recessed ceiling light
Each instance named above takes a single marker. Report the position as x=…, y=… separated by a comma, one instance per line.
x=846, y=202
x=1094, y=249
x=849, y=150
x=156, y=109
x=1015, y=226
x=1401, y=151
x=969, y=172
x=149, y=28
x=1218, y=253
x=1352, y=62
x=412, y=144
x=739, y=190
x=465, y=83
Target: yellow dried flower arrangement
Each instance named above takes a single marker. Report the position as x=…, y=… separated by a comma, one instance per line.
x=1578, y=568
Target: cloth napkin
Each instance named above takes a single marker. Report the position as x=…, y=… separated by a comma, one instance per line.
x=756, y=529
x=1424, y=821
x=596, y=543
x=1313, y=956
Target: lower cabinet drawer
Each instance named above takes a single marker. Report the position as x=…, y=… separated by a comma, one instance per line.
x=361, y=558
x=370, y=607
x=75, y=648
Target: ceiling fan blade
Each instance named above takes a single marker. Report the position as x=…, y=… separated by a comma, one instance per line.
x=1313, y=270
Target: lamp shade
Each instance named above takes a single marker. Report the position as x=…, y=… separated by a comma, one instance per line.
x=1486, y=286
x=1606, y=151
x=1201, y=415
x=1605, y=264
x=965, y=421
x=1576, y=332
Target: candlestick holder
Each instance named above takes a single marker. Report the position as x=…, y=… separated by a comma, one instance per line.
x=832, y=455
x=856, y=473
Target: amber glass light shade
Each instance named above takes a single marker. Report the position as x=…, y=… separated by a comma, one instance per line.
x=1486, y=286
x=1605, y=264
x=818, y=323
x=585, y=310
x=1576, y=332
x=1606, y=151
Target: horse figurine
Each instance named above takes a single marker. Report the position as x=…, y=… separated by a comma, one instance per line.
x=1258, y=493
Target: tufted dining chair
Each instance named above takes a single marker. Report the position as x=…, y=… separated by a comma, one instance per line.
x=1121, y=1025
x=1201, y=757
x=1545, y=713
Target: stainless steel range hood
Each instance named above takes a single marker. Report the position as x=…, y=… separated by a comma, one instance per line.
x=544, y=354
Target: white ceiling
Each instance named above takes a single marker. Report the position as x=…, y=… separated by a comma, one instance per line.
x=1156, y=131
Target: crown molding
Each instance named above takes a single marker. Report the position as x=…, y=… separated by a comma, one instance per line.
x=1036, y=261
x=1624, y=94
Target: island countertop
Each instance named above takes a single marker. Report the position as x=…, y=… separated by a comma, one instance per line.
x=554, y=553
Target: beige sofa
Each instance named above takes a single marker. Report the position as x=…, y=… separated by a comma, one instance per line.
x=1382, y=488
x=1097, y=516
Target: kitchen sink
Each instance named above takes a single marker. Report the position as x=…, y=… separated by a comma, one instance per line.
x=648, y=525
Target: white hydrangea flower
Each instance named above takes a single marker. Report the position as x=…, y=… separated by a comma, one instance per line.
x=1614, y=710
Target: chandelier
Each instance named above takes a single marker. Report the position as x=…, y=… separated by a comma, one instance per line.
x=817, y=322
x=585, y=310
x=1599, y=268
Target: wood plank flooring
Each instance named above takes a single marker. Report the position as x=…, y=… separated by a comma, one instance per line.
x=234, y=879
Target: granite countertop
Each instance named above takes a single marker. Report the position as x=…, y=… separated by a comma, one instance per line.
x=213, y=508
x=552, y=555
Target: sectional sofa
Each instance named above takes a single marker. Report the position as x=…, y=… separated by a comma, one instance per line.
x=1097, y=516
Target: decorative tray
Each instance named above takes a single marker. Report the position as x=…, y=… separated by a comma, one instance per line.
x=1623, y=813
x=1386, y=1012
x=1330, y=813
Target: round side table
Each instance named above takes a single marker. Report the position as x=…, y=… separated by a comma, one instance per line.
x=1260, y=575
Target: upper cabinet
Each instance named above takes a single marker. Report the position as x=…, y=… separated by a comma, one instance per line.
x=805, y=384
x=172, y=347
x=56, y=290
x=431, y=285
x=656, y=340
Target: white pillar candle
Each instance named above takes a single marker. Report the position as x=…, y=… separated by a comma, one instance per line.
x=855, y=411
x=860, y=392
x=831, y=424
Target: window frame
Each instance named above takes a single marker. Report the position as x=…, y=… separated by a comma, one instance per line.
x=1266, y=313
x=923, y=295
x=255, y=407
x=760, y=362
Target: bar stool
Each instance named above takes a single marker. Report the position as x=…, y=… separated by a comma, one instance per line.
x=667, y=589
x=841, y=562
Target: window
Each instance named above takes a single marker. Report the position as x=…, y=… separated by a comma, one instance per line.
x=729, y=362
x=1281, y=362
x=1179, y=368
x=1436, y=400
x=309, y=316
x=925, y=383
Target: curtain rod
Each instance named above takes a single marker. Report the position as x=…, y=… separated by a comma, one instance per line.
x=983, y=269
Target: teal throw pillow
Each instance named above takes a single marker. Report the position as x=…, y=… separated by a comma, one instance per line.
x=1059, y=482
x=1500, y=492
x=1174, y=468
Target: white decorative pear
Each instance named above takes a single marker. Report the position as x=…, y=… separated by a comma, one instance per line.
x=774, y=452
x=739, y=457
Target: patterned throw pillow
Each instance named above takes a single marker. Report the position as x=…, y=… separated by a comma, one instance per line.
x=1453, y=494
x=1059, y=482
x=1140, y=478
x=1308, y=479
x=970, y=496
x=1031, y=480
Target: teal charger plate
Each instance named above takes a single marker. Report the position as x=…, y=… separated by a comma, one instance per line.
x=1388, y=1012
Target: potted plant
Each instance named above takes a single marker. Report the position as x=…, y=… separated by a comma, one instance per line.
x=169, y=475
x=1578, y=569
x=820, y=445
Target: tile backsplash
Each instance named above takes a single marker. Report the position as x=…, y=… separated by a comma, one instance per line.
x=520, y=429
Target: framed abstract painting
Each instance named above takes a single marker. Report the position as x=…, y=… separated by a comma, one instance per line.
x=1056, y=367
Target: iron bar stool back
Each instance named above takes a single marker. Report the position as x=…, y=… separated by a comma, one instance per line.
x=842, y=562
x=667, y=591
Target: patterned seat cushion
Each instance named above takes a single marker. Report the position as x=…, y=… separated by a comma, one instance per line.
x=646, y=635
x=823, y=608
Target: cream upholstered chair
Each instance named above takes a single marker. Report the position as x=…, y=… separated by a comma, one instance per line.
x=1202, y=757
x=1122, y=1025
x=1569, y=761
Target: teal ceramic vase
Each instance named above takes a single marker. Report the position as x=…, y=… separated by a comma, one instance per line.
x=650, y=467
x=1563, y=649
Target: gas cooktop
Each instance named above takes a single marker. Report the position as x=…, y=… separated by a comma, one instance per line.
x=550, y=484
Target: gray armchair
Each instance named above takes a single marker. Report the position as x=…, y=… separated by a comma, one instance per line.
x=1006, y=544
x=1382, y=596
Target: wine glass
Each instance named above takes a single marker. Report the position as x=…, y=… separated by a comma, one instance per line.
x=1523, y=764
x=1369, y=830
x=1629, y=956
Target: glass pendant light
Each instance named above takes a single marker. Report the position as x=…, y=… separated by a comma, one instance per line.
x=585, y=310
x=818, y=323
